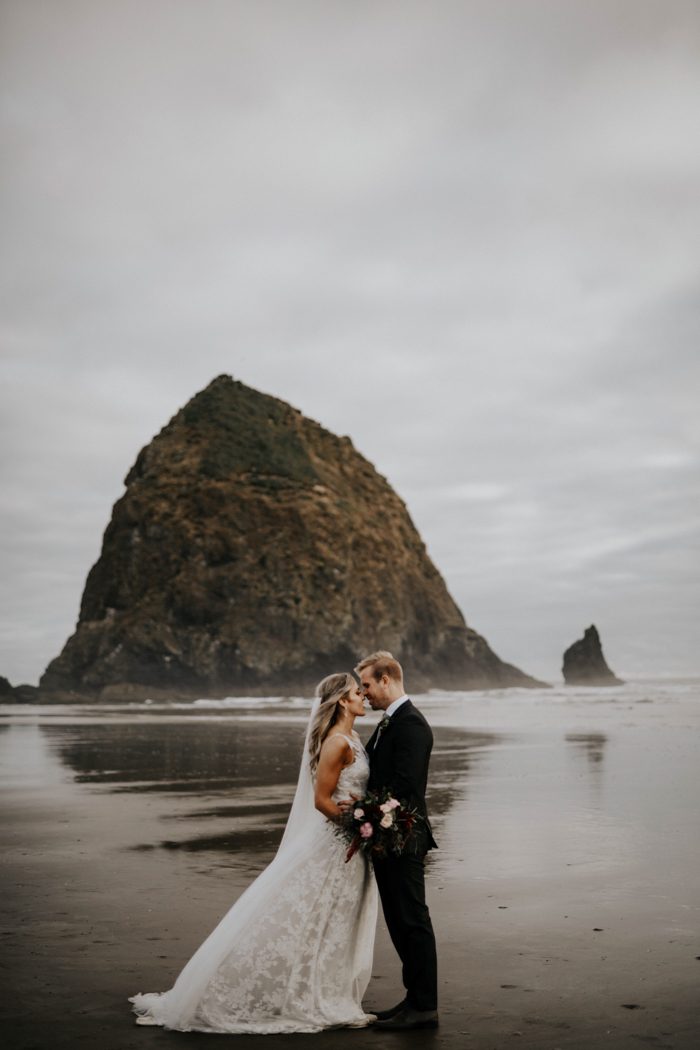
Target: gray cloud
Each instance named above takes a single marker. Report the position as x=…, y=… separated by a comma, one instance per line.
x=466, y=235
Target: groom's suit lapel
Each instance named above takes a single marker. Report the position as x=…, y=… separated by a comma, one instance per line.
x=372, y=742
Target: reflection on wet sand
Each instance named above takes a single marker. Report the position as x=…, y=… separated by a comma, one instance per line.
x=182, y=755
x=251, y=766
x=256, y=839
x=592, y=745
x=456, y=754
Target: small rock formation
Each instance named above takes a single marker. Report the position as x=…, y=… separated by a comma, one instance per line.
x=584, y=663
x=255, y=552
x=17, y=694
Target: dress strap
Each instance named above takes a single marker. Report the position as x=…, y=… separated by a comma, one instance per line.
x=351, y=742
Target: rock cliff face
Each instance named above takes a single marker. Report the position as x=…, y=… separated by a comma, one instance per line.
x=584, y=663
x=254, y=552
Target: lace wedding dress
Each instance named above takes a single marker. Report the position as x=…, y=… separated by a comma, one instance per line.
x=294, y=953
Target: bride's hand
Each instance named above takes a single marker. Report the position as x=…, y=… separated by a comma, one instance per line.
x=347, y=803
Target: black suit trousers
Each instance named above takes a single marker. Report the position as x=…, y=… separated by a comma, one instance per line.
x=401, y=883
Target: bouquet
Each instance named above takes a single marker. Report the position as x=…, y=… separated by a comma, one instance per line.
x=378, y=824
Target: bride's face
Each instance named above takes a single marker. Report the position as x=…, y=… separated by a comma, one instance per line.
x=355, y=702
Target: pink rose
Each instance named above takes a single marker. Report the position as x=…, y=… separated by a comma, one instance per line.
x=386, y=821
x=358, y=814
x=393, y=804
x=366, y=830
x=386, y=807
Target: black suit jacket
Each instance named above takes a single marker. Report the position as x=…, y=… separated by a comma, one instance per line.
x=398, y=762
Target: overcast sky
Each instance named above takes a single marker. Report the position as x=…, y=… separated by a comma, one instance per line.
x=465, y=234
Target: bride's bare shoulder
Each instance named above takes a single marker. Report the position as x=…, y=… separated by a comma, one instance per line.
x=336, y=739
x=336, y=745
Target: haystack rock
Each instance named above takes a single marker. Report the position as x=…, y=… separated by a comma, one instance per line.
x=254, y=552
x=584, y=663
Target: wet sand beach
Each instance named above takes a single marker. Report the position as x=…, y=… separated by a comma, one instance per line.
x=565, y=893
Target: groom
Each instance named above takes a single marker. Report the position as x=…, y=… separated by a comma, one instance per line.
x=399, y=752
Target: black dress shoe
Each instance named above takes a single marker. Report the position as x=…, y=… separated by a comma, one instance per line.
x=383, y=1015
x=409, y=1018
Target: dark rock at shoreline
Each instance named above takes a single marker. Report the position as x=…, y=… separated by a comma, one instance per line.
x=255, y=552
x=27, y=694
x=18, y=694
x=584, y=663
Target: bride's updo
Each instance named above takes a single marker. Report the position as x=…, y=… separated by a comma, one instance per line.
x=330, y=691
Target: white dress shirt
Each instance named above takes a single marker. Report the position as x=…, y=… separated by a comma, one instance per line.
x=395, y=705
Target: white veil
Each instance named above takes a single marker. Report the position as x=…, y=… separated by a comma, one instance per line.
x=176, y=1008
x=303, y=815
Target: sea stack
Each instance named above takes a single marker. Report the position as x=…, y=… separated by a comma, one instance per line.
x=255, y=552
x=584, y=663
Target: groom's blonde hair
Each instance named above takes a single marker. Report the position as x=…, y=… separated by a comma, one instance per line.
x=381, y=662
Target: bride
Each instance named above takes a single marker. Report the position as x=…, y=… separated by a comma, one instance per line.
x=294, y=953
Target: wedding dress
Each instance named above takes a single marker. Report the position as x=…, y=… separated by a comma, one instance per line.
x=294, y=953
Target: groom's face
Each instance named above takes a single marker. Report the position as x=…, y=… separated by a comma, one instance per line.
x=375, y=691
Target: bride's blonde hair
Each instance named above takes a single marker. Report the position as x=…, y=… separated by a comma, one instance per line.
x=330, y=691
